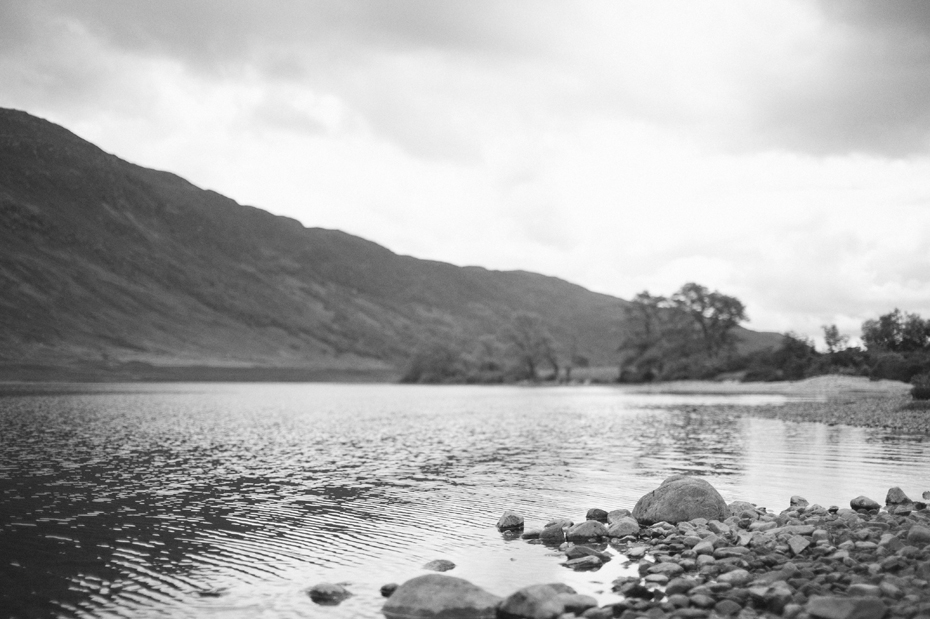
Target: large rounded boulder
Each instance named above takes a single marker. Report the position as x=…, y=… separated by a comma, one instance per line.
x=437, y=596
x=678, y=499
x=536, y=602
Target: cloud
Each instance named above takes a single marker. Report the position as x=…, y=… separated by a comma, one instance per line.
x=772, y=150
x=856, y=83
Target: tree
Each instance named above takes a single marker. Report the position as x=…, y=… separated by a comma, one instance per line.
x=435, y=362
x=896, y=331
x=530, y=343
x=832, y=338
x=647, y=336
x=683, y=334
x=643, y=322
x=714, y=313
x=795, y=356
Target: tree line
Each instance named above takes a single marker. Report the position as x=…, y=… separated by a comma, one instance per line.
x=690, y=334
x=524, y=350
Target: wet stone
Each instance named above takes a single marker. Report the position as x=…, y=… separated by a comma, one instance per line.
x=589, y=529
x=510, y=521
x=576, y=603
x=834, y=607
x=669, y=569
x=328, y=594
x=596, y=514
x=635, y=590
x=554, y=531
x=589, y=562
x=680, y=585
x=623, y=527
x=864, y=502
x=617, y=514
x=536, y=602
x=918, y=535
x=735, y=577
x=727, y=608
x=439, y=565
x=798, y=544
x=896, y=496
x=576, y=552
x=388, y=589
x=657, y=579
x=678, y=600
x=701, y=600
x=730, y=552
x=864, y=589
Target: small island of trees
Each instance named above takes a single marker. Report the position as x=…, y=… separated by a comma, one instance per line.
x=688, y=335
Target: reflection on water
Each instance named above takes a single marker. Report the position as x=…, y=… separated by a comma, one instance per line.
x=194, y=500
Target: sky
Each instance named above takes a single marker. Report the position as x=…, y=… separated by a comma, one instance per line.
x=778, y=152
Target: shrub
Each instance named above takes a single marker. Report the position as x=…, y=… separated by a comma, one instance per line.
x=921, y=388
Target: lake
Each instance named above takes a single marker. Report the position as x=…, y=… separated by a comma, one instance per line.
x=230, y=500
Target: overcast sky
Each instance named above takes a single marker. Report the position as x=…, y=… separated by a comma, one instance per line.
x=776, y=151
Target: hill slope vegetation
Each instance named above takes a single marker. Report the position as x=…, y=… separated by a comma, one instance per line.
x=111, y=270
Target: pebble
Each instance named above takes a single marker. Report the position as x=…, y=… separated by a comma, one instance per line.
x=806, y=562
x=388, y=589
x=918, y=535
x=328, y=594
x=439, y=565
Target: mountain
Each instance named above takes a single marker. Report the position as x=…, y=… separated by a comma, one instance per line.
x=109, y=270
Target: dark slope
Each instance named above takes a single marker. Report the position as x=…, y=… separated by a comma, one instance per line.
x=103, y=263
x=111, y=270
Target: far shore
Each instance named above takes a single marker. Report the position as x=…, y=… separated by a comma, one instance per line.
x=819, y=387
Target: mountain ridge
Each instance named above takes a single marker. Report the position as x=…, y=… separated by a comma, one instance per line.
x=112, y=270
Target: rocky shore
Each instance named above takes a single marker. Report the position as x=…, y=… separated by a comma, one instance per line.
x=698, y=557
x=899, y=413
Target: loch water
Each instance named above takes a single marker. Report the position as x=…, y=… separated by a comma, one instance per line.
x=230, y=500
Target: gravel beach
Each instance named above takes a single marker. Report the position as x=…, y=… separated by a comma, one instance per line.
x=861, y=561
x=848, y=400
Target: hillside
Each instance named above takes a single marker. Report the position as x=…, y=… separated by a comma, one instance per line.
x=111, y=270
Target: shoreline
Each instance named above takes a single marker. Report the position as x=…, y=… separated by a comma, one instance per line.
x=898, y=413
x=864, y=561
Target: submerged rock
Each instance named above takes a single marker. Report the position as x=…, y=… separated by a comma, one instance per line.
x=510, y=521
x=576, y=552
x=440, y=596
x=554, y=531
x=439, y=565
x=680, y=498
x=589, y=562
x=896, y=496
x=328, y=594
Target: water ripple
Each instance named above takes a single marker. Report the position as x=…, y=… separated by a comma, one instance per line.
x=231, y=500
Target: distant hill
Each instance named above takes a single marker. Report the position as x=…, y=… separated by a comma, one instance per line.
x=109, y=270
